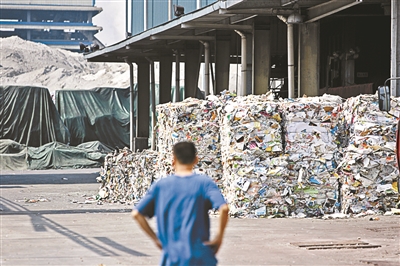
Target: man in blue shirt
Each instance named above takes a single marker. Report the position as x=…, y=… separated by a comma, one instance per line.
x=181, y=203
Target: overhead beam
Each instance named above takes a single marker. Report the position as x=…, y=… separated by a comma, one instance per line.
x=216, y=26
x=182, y=38
x=326, y=9
x=260, y=11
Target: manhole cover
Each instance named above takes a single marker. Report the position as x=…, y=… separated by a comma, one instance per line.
x=334, y=245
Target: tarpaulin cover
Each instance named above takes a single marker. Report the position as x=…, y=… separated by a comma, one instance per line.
x=99, y=114
x=95, y=146
x=58, y=155
x=12, y=155
x=28, y=116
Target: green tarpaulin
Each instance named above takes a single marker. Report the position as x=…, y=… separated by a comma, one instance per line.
x=99, y=114
x=54, y=155
x=57, y=155
x=13, y=156
x=28, y=116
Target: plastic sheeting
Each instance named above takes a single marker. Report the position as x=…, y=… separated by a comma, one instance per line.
x=28, y=116
x=57, y=155
x=13, y=156
x=101, y=114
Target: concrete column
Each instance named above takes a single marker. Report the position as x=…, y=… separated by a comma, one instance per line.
x=290, y=53
x=395, y=46
x=132, y=107
x=177, y=96
x=192, y=68
x=142, y=109
x=206, y=75
x=222, y=63
x=309, y=63
x=249, y=64
x=262, y=61
x=242, y=90
x=165, y=79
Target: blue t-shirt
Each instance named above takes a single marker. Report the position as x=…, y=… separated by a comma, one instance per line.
x=181, y=206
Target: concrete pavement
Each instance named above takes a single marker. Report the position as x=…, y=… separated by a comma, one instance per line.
x=50, y=218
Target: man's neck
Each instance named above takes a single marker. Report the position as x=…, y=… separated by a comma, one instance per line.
x=183, y=170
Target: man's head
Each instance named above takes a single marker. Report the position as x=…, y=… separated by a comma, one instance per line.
x=185, y=153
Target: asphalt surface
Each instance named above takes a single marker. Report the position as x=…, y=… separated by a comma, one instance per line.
x=51, y=218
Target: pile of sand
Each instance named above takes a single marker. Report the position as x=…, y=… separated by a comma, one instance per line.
x=28, y=63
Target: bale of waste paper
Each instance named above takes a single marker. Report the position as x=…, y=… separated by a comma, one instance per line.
x=368, y=171
x=191, y=120
x=126, y=176
x=251, y=138
x=312, y=133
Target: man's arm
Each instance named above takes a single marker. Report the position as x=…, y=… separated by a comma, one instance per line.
x=223, y=221
x=141, y=220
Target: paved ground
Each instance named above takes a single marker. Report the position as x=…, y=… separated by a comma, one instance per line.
x=49, y=218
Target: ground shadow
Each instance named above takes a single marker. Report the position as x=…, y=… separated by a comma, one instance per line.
x=41, y=223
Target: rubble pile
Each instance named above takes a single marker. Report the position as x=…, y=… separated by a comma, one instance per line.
x=126, y=176
x=251, y=138
x=311, y=129
x=191, y=120
x=369, y=171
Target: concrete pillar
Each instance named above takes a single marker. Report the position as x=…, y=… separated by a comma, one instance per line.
x=177, y=94
x=143, y=108
x=309, y=55
x=165, y=79
x=222, y=63
x=395, y=46
x=132, y=107
x=249, y=64
x=206, y=73
x=192, y=68
x=290, y=53
x=262, y=61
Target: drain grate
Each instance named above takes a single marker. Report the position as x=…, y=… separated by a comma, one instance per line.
x=384, y=229
x=335, y=245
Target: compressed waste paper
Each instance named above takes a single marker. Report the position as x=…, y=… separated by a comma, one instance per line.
x=126, y=176
x=251, y=139
x=312, y=134
x=191, y=120
x=272, y=158
x=368, y=171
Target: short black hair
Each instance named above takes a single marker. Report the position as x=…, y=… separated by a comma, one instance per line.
x=185, y=152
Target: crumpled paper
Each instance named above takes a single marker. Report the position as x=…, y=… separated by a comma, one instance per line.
x=126, y=176
x=305, y=157
x=312, y=137
x=191, y=120
x=251, y=139
x=369, y=170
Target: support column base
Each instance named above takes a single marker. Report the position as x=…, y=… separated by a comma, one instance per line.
x=140, y=144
